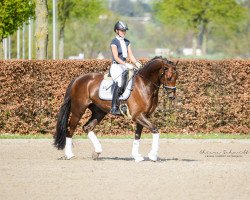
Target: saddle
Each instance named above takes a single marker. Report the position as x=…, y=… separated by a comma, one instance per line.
x=107, y=87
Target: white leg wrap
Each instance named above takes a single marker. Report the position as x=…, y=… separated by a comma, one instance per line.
x=95, y=141
x=135, y=151
x=155, y=143
x=155, y=147
x=68, y=148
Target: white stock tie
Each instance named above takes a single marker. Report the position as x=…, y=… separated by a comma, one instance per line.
x=124, y=47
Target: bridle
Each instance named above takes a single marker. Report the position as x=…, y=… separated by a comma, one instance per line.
x=168, y=89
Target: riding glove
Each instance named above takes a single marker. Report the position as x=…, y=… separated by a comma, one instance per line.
x=129, y=66
x=138, y=64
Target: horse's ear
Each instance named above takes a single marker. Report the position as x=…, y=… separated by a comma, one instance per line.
x=177, y=63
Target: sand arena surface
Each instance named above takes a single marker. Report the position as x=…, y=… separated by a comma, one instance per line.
x=187, y=169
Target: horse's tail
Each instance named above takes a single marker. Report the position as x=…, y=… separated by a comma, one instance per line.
x=62, y=121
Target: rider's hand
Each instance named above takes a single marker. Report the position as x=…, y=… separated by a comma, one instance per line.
x=129, y=66
x=138, y=64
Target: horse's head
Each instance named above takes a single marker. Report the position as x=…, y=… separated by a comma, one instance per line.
x=168, y=76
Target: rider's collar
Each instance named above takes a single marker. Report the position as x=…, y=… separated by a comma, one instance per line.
x=119, y=37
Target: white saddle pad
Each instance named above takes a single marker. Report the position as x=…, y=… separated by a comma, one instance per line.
x=105, y=92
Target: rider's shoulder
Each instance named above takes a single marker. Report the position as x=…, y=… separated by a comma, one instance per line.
x=114, y=41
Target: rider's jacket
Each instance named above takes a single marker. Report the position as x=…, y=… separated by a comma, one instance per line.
x=122, y=47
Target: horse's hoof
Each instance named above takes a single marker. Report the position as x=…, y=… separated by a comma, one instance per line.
x=138, y=158
x=95, y=155
x=152, y=157
x=67, y=158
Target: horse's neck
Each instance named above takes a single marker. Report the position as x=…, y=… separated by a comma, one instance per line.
x=150, y=77
x=151, y=74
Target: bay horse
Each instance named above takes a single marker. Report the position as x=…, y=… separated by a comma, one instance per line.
x=82, y=93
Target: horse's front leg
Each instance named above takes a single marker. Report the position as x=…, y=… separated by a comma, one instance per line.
x=155, y=143
x=136, y=144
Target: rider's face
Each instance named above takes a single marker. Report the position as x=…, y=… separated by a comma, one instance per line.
x=121, y=33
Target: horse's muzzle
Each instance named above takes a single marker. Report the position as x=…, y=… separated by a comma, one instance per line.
x=171, y=96
x=170, y=91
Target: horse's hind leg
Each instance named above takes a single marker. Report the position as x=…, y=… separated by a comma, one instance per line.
x=97, y=116
x=74, y=119
x=72, y=126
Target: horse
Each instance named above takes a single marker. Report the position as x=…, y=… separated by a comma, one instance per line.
x=82, y=93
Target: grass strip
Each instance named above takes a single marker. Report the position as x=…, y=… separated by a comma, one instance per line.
x=144, y=136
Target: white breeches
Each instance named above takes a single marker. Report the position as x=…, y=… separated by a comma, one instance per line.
x=116, y=73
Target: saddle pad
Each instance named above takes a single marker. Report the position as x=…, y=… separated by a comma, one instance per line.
x=105, y=92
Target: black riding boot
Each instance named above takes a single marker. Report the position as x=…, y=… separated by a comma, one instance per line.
x=115, y=101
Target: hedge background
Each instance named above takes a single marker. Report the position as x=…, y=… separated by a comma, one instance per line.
x=212, y=96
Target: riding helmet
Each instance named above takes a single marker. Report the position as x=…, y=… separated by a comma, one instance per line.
x=120, y=26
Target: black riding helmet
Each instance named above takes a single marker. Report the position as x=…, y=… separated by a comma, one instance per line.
x=120, y=26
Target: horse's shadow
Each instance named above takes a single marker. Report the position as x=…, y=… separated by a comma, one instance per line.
x=145, y=159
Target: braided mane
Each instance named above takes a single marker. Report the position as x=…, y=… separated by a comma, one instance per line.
x=147, y=65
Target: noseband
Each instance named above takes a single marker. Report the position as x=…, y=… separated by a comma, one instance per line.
x=169, y=88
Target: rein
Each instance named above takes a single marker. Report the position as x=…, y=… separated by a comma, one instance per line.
x=158, y=86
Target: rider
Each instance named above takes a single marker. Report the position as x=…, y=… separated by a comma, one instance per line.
x=121, y=50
